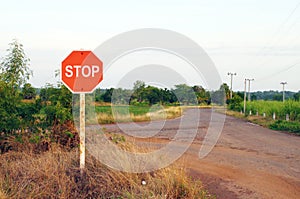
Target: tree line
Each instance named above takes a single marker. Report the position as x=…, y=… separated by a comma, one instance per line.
x=143, y=94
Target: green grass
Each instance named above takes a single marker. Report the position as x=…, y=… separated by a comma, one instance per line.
x=290, y=107
x=281, y=109
x=281, y=125
x=135, y=110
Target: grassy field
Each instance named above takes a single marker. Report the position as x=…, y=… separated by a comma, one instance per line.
x=135, y=110
x=290, y=107
x=107, y=114
x=262, y=114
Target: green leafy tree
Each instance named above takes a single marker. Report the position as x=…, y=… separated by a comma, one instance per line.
x=15, y=66
x=167, y=96
x=14, y=73
x=203, y=96
x=297, y=96
x=8, y=110
x=28, y=92
x=152, y=94
x=185, y=94
x=138, y=91
x=106, y=97
x=224, y=87
x=219, y=96
x=277, y=97
x=235, y=103
x=56, y=105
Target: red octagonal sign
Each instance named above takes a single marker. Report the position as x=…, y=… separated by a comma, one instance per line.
x=82, y=71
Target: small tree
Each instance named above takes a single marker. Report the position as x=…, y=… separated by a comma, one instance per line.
x=14, y=73
x=15, y=66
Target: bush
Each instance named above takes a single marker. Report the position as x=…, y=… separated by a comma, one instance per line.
x=283, y=125
x=235, y=103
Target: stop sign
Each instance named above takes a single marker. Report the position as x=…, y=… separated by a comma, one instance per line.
x=81, y=71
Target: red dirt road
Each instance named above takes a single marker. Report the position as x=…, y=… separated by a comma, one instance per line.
x=248, y=161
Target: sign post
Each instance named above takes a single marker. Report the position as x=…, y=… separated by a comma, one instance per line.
x=81, y=72
x=82, y=132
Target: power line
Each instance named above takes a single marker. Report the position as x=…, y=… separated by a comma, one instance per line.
x=282, y=24
x=262, y=51
x=279, y=72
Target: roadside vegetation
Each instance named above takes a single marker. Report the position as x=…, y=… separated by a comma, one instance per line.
x=276, y=115
x=55, y=174
x=39, y=155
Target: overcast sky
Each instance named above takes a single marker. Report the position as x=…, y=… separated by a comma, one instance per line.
x=257, y=39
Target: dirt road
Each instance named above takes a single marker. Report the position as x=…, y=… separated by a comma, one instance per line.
x=248, y=161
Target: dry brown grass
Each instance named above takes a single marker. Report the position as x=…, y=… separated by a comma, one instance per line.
x=167, y=113
x=55, y=174
x=260, y=120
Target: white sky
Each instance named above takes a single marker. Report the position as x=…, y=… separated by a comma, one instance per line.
x=257, y=39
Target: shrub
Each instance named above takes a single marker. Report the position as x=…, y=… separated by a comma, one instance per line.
x=283, y=125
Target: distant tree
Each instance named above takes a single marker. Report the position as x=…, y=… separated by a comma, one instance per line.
x=185, y=94
x=297, y=96
x=167, y=96
x=277, y=97
x=241, y=94
x=98, y=95
x=106, y=97
x=121, y=96
x=28, y=92
x=138, y=88
x=203, y=96
x=226, y=89
x=254, y=97
x=220, y=96
x=152, y=94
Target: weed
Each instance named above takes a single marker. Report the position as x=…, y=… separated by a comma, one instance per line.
x=55, y=174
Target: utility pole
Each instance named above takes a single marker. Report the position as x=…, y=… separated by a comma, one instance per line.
x=283, y=94
x=249, y=95
x=231, y=77
x=245, y=96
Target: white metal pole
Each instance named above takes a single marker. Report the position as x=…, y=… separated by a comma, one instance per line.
x=82, y=132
